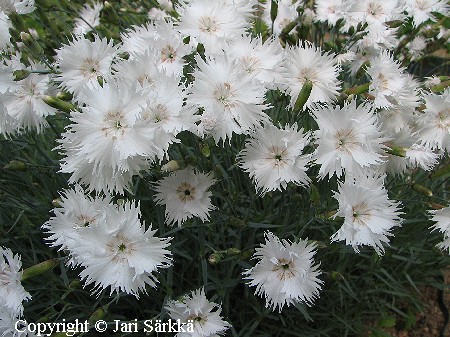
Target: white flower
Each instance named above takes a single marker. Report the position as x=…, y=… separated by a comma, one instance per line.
x=434, y=122
x=82, y=61
x=201, y=313
x=185, y=195
x=369, y=215
x=308, y=63
x=164, y=110
x=421, y=10
x=89, y=18
x=119, y=253
x=19, y=6
x=390, y=84
x=8, y=125
x=287, y=12
x=442, y=219
x=169, y=49
x=416, y=47
x=12, y=293
x=285, y=273
x=8, y=327
x=76, y=210
x=109, y=139
x=156, y=14
x=431, y=81
x=25, y=102
x=166, y=5
x=138, y=39
x=263, y=60
x=5, y=35
x=274, y=157
x=141, y=68
x=416, y=155
x=229, y=97
x=212, y=23
x=375, y=12
x=348, y=138
x=330, y=10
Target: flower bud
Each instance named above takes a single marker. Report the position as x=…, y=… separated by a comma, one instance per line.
x=303, y=96
x=215, y=258
x=97, y=315
x=422, y=190
x=39, y=268
x=15, y=165
x=170, y=166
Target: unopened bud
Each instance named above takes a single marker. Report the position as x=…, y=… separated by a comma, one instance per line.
x=206, y=151
x=440, y=87
x=233, y=251
x=303, y=96
x=396, y=151
x=337, y=276
x=215, y=258
x=64, y=95
x=360, y=89
x=273, y=10
x=97, y=315
x=246, y=255
x=74, y=284
x=435, y=206
x=422, y=190
x=314, y=194
x=21, y=74
x=170, y=166
x=15, y=165
x=236, y=222
x=39, y=268
x=59, y=104
x=56, y=202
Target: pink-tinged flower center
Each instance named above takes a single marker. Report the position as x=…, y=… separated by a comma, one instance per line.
x=84, y=220
x=168, y=54
x=121, y=247
x=345, y=140
x=277, y=155
x=361, y=214
x=223, y=94
x=186, y=192
x=208, y=24
x=284, y=269
x=90, y=68
x=115, y=124
x=375, y=9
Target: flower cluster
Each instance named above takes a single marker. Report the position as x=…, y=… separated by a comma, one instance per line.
x=297, y=113
x=108, y=241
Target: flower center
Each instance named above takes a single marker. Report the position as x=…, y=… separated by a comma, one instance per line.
x=284, y=269
x=223, y=93
x=208, y=24
x=5, y=277
x=197, y=318
x=277, y=155
x=361, y=214
x=121, y=247
x=345, y=140
x=115, y=124
x=443, y=122
x=84, y=220
x=375, y=9
x=90, y=68
x=168, y=54
x=186, y=192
